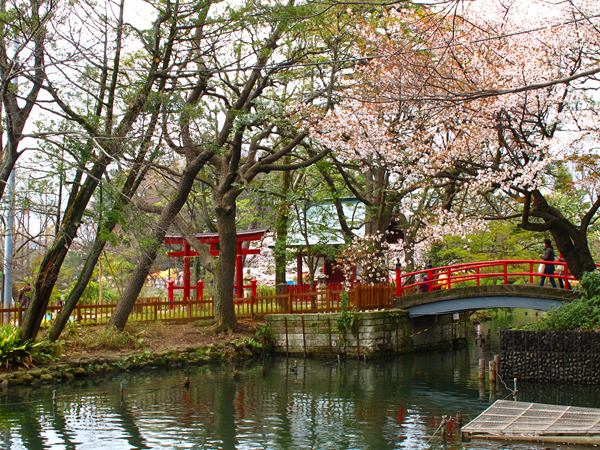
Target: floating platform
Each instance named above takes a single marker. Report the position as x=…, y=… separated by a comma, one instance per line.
x=535, y=422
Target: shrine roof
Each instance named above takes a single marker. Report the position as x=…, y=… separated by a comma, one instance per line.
x=213, y=238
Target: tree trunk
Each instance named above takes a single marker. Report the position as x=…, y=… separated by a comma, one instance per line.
x=134, y=178
x=82, y=281
x=575, y=250
x=225, y=211
x=571, y=241
x=147, y=257
x=54, y=257
x=281, y=231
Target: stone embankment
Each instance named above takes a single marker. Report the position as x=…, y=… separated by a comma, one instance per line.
x=364, y=334
x=79, y=367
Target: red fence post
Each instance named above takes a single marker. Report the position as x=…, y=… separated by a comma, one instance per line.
x=253, y=283
x=477, y=273
x=505, y=272
x=398, y=282
x=200, y=290
x=171, y=286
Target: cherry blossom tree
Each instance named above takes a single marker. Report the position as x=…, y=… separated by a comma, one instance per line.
x=481, y=104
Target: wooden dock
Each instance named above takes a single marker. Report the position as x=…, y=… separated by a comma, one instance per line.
x=536, y=422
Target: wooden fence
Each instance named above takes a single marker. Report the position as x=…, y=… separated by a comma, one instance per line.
x=360, y=297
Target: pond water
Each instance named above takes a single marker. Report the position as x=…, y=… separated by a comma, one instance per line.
x=393, y=403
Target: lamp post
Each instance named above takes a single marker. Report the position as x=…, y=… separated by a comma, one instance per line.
x=8, y=248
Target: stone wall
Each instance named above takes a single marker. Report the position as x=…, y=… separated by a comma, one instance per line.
x=559, y=356
x=356, y=334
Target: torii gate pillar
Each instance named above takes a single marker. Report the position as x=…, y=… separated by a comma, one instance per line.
x=213, y=240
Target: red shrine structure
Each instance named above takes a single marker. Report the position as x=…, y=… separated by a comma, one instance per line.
x=213, y=240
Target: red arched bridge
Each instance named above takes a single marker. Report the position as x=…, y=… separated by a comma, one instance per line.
x=483, y=285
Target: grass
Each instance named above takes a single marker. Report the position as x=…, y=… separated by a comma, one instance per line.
x=101, y=338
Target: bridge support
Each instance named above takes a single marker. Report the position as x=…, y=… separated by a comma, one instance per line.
x=484, y=297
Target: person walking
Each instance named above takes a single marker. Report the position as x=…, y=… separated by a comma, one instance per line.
x=425, y=280
x=25, y=295
x=560, y=271
x=548, y=256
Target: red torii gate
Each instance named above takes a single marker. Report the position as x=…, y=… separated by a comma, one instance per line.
x=213, y=240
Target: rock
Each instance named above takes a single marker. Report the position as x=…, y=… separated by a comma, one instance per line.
x=98, y=368
x=4, y=383
x=215, y=353
x=46, y=378
x=16, y=381
x=79, y=372
x=35, y=373
x=111, y=359
x=6, y=376
x=28, y=378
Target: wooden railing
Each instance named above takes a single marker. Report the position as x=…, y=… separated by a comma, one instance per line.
x=360, y=297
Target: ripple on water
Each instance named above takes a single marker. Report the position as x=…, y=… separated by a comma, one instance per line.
x=395, y=403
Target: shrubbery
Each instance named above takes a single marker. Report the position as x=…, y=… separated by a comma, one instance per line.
x=581, y=314
x=16, y=352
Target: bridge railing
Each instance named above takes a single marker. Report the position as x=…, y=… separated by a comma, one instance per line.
x=508, y=271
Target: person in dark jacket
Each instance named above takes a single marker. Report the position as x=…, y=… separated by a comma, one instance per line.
x=425, y=286
x=548, y=256
x=425, y=280
x=25, y=295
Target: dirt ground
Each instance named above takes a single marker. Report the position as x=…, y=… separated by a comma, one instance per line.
x=155, y=337
x=97, y=341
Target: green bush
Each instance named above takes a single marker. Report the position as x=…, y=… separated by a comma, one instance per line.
x=580, y=314
x=16, y=352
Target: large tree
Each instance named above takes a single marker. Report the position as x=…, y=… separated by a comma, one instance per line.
x=222, y=122
x=481, y=104
x=91, y=98
x=24, y=35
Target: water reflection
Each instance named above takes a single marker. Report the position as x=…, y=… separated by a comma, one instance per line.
x=394, y=403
